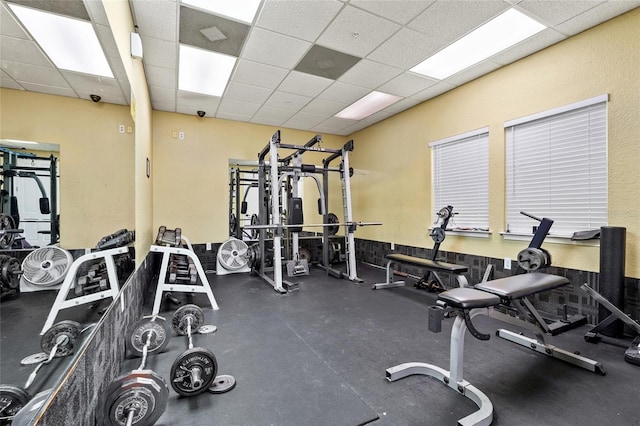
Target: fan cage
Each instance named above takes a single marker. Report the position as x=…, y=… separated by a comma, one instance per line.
x=232, y=254
x=46, y=266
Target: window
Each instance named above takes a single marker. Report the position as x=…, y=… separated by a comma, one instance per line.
x=461, y=178
x=556, y=167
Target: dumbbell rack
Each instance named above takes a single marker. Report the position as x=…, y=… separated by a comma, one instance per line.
x=69, y=282
x=163, y=286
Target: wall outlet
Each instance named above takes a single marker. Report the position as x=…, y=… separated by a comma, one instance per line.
x=174, y=134
x=393, y=246
x=129, y=129
x=507, y=263
x=181, y=135
x=121, y=128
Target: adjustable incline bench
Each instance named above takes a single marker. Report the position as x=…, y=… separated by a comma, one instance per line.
x=469, y=302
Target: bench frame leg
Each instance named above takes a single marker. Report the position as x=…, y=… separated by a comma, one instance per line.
x=389, y=283
x=452, y=378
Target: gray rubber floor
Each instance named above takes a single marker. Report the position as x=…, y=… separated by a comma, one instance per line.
x=318, y=357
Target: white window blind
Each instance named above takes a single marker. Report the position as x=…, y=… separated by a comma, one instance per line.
x=461, y=178
x=556, y=167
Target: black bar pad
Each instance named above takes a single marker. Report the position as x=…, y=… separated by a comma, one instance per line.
x=308, y=168
x=592, y=234
x=296, y=216
x=319, y=205
x=541, y=233
x=428, y=263
x=612, y=264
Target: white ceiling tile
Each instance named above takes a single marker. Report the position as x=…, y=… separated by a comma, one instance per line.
x=433, y=91
x=401, y=105
x=189, y=103
x=162, y=95
x=343, y=93
x=246, y=93
x=160, y=77
x=356, y=32
x=273, y=116
x=259, y=75
x=369, y=74
x=160, y=106
x=28, y=73
x=305, y=120
x=555, y=12
x=8, y=82
x=405, y=49
x=324, y=107
x=407, y=84
x=28, y=51
x=234, y=117
x=9, y=26
x=108, y=98
x=230, y=106
x=287, y=100
x=473, y=72
x=304, y=84
x=400, y=11
x=159, y=52
x=333, y=125
x=158, y=19
x=447, y=20
x=50, y=90
x=378, y=116
x=531, y=45
x=598, y=14
x=354, y=128
x=275, y=49
x=92, y=84
x=300, y=19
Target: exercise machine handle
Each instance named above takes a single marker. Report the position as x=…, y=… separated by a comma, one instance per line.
x=474, y=331
x=531, y=216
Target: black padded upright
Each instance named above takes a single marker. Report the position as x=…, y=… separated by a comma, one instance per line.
x=468, y=298
x=518, y=286
x=296, y=216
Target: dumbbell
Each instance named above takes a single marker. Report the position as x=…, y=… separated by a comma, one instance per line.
x=169, y=237
x=58, y=341
x=140, y=396
x=193, y=372
x=86, y=285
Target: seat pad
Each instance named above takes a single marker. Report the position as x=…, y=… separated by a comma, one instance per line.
x=518, y=286
x=468, y=298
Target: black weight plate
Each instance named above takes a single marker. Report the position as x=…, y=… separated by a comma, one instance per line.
x=26, y=416
x=180, y=322
x=304, y=254
x=6, y=223
x=444, y=213
x=437, y=234
x=70, y=329
x=181, y=371
x=332, y=218
x=223, y=383
x=532, y=259
x=11, y=272
x=255, y=221
x=233, y=223
x=137, y=335
x=12, y=400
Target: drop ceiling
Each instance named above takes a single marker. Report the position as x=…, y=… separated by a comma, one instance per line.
x=299, y=62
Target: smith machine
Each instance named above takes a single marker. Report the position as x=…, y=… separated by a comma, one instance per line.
x=10, y=214
x=271, y=178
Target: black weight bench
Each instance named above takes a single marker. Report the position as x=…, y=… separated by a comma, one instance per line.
x=469, y=302
x=433, y=265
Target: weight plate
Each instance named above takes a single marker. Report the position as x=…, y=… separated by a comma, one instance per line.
x=532, y=259
x=11, y=272
x=69, y=329
x=207, y=329
x=12, y=400
x=6, y=223
x=253, y=254
x=437, y=235
x=26, y=416
x=233, y=223
x=139, y=332
x=304, y=254
x=332, y=218
x=193, y=371
x=255, y=221
x=183, y=313
x=143, y=391
x=223, y=383
x=34, y=359
x=444, y=213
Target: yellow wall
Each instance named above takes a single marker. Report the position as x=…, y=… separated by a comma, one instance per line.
x=191, y=176
x=397, y=185
x=96, y=161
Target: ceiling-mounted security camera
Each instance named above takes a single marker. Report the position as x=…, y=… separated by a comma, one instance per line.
x=95, y=98
x=201, y=114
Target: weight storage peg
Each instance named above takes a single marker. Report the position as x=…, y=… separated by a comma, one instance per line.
x=195, y=369
x=140, y=396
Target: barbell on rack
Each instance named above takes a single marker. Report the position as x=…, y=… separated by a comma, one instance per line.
x=352, y=225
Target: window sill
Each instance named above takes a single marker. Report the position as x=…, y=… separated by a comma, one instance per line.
x=473, y=233
x=555, y=239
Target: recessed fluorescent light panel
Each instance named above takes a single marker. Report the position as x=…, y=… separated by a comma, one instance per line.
x=242, y=10
x=203, y=71
x=502, y=32
x=70, y=43
x=370, y=104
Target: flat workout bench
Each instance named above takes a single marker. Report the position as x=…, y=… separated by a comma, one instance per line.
x=433, y=265
x=469, y=302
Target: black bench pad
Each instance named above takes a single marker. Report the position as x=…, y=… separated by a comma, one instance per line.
x=523, y=285
x=428, y=263
x=468, y=298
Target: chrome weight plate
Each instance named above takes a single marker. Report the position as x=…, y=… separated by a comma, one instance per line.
x=34, y=359
x=156, y=327
x=207, y=329
x=222, y=383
